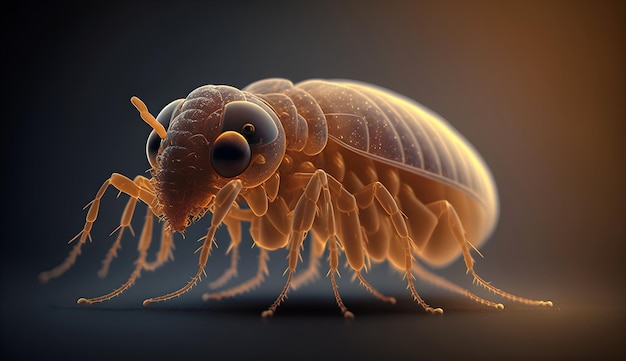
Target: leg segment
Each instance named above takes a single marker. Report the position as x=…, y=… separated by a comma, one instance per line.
x=124, y=223
x=234, y=230
x=222, y=204
x=426, y=275
x=445, y=212
x=374, y=291
x=246, y=286
x=334, y=262
x=144, y=244
x=165, y=250
x=365, y=198
x=302, y=221
x=136, y=189
x=351, y=234
x=312, y=271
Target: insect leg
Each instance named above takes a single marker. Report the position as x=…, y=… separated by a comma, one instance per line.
x=271, y=231
x=223, y=203
x=377, y=191
x=323, y=228
x=248, y=285
x=312, y=271
x=144, y=244
x=426, y=275
x=302, y=221
x=133, y=188
x=445, y=211
x=127, y=216
x=373, y=290
x=334, y=262
x=325, y=231
x=349, y=233
x=349, y=247
x=234, y=230
x=124, y=223
x=165, y=250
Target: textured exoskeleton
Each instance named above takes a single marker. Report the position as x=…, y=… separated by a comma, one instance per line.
x=330, y=165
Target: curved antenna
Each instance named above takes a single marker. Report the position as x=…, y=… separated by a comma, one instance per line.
x=147, y=117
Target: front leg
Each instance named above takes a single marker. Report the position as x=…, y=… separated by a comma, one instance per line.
x=137, y=189
x=222, y=204
x=144, y=243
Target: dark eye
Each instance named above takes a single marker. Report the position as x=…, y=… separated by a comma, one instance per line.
x=154, y=141
x=251, y=121
x=230, y=154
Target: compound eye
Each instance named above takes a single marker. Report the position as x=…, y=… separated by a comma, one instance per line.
x=230, y=154
x=154, y=141
x=251, y=121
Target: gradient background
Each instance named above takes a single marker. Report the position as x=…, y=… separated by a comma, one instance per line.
x=538, y=87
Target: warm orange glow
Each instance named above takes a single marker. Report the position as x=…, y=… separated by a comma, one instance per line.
x=372, y=176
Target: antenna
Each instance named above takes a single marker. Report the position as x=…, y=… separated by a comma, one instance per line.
x=147, y=117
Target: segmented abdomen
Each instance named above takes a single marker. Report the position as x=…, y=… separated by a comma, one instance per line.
x=399, y=136
x=393, y=129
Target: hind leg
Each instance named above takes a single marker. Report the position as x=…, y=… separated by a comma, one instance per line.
x=439, y=281
x=445, y=213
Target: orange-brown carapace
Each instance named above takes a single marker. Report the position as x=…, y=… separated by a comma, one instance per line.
x=340, y=167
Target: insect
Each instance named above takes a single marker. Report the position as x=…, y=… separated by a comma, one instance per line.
x=340, y=167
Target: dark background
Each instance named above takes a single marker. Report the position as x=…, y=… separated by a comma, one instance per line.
x=538, y=87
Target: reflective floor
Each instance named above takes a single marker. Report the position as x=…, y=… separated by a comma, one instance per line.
x=37, y=325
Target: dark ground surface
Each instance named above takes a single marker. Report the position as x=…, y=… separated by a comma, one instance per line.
x=537, y=87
